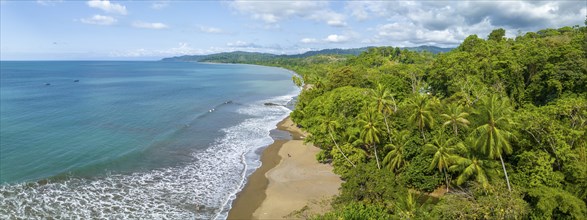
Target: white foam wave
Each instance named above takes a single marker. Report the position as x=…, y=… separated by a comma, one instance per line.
x=202, y=189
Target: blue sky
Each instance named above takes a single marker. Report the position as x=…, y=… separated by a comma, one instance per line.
x=139, y=30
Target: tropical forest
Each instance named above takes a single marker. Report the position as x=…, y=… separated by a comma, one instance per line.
x=494, y=129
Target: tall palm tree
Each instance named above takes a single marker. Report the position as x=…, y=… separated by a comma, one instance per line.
x=330, y=126
x=455, y=116
x=385, y=104
x=394, y=160
x=493, y=140
x=370, y=130
x=421, y=112
x=444, y=152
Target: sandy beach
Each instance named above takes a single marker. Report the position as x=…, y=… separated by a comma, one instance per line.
x=289, y=179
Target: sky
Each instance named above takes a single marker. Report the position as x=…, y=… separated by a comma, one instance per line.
x=150, y=30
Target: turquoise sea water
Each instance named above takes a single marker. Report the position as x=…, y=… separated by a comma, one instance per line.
x=132, y=139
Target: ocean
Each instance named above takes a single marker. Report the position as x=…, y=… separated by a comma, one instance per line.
x=139, y=140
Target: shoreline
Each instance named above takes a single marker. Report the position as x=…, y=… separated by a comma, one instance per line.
x=253, y=193
x=288, y=180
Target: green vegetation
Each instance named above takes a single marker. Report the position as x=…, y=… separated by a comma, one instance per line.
x=254, y=57
x=495, y=129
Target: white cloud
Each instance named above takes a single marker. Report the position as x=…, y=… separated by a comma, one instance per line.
x=182, y=49
x=448, y=23
x=147, y=25
x=185, y=48
x=334, y=38
x=108, y=7
x=99, y=20
x=211, y=30
x=329, y=17
x=309, y=40
x=160, y=4
x=272, y=12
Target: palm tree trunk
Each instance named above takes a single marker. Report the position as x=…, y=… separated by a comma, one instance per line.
x=388, y=131
x=394, y=105
x=345, y=157
x=446, y=179
x=507, y=179
x=376, y=157
x=423, y=136
x=454, y=125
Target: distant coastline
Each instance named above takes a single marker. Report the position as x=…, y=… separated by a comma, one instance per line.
x=248, y=57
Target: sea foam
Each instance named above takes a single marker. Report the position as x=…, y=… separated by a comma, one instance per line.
x=201, y=189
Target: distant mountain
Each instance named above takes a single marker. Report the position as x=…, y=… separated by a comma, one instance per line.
x=353, y=51
x=226, y=57
x=186, y=58
x=431, y=49
x=242, y=57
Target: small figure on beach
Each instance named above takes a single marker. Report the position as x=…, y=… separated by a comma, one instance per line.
x=288, y=155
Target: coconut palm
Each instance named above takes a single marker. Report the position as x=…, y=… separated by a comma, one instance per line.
x=385, y=104
x=408, y=206
x=493, y=140
x=420, y=112
x=394, y=160
x=370, y=130
x=455, y=117
x=469, y=167
x=319, y=82
x=331, y=126
x=444, y=152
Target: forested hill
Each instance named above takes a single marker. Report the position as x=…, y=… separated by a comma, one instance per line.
x=253, y=57
x=494, y=129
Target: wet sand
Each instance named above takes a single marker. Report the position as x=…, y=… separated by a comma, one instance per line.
x=289, y=179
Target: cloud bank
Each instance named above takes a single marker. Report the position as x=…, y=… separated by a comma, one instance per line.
x=272, y=12
x=108, y=7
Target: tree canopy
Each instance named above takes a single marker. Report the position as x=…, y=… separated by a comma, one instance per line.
x=496, y=128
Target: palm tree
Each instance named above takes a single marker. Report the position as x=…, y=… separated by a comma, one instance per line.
x=444, y=151
x=319, y=82
x=383, y=102
x=394, y=160
x=330, y=126
x=408, y=206
x=370, y=131
x=493, y=141
x=421, y=113
x=455, y=117
x=468, y=167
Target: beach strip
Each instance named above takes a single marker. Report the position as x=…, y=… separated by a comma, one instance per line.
x=289, y=178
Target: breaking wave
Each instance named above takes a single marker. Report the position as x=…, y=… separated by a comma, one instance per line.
x=201, y=189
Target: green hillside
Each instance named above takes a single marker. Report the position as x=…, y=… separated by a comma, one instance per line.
x=254, y=57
